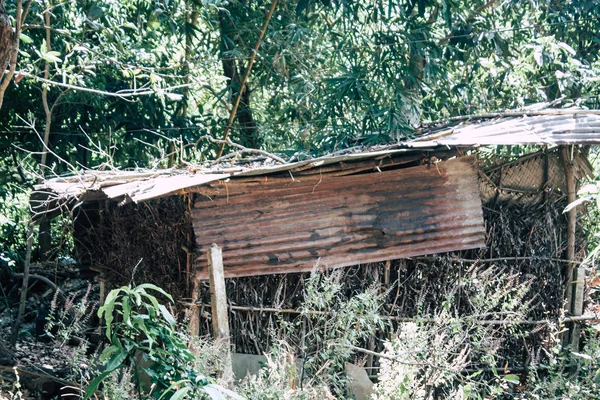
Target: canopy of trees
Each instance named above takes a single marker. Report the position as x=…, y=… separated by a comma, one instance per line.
x=132, y=83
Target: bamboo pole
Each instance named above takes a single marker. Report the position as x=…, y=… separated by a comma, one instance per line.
x=246, y=75
x=574, y=285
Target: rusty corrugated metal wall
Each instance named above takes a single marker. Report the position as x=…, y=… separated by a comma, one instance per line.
x=270, y=225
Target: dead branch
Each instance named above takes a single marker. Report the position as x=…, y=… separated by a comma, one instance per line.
x=45, y=280
x=122, y=94
x=243, y=149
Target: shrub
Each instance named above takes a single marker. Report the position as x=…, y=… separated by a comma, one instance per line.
x=140, y=330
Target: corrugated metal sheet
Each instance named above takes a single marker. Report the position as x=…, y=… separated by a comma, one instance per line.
x=131, y=186
x=269, y=226
x=564, y=126
x=551, y=127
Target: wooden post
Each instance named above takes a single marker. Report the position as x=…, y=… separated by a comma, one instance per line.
x=574, y=284
x=218, y=295
x=194, y=324
x=218, y=302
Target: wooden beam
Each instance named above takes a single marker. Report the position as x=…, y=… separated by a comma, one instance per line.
x=218, y=301
x=194, y=324
x=218, y=295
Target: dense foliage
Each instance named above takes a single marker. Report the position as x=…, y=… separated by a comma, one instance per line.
x=327, y=73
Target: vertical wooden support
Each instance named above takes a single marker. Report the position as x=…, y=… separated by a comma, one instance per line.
x=218, y=295
x=102, y=290
x=574, y=287
x=194, y=324
x=218, y=304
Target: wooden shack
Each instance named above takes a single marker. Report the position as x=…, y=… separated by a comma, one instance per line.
x=435, y=196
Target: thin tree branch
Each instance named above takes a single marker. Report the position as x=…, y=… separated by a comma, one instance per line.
x=47, y=111
x=245, y=79
x=45, y=280
x=122, y=94
x=239, y=146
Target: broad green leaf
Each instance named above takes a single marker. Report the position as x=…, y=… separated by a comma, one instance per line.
x=26, y=39
x=107, y=310
x=173, y=385
x=156, y=289
x=108, y=352
x=576, y=203
x=567, y=48
x=511, y=378
x=583, y=356
x=538, y=55
x=116, y=361
x=166, y=314
x=180, y=394
x=126, y=305
x=91, y=389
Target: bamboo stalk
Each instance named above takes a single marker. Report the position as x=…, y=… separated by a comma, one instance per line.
x=245, y=79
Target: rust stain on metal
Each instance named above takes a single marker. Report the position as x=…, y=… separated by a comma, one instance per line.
x=280, y=226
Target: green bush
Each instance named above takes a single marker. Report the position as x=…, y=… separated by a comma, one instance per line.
x=142, y=331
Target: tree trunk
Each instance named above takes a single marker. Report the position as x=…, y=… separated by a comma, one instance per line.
x=6, y=38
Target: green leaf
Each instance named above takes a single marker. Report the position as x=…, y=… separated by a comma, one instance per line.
x=177, y=394
x=26, y=39
x=126, y=305
x=538, y=55
x=90, y=390
x=95, y=12
x=108, y=308
x=511, y=378
x=108, y=352
x=156, y=289
x=567, y=48
x=583, y=356
x=180, y=394
x=576, y=203
x=213, y=393
x=166, y=314
x=116, y=361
